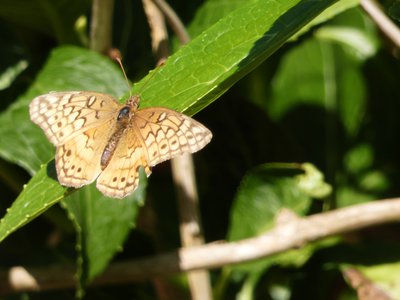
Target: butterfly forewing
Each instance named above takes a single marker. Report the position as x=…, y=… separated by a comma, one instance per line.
x=167, y=133
x=65, y=115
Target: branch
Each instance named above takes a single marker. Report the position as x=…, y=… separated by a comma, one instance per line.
x=382, y=20
x=173, y=21
x=101, y=25
x=182, y=166
x=366, y=289
x=158, y=31
x=286, y=236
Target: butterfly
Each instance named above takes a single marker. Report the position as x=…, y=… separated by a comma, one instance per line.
x=96, y=137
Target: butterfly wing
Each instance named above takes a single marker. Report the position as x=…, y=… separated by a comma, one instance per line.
x=78, y=159
x=64, y=115
x=121, y=176
x=167, y=133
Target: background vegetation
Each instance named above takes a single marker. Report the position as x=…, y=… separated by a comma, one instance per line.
x=274, y=98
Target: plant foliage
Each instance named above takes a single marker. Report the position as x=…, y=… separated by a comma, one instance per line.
x=301, y=97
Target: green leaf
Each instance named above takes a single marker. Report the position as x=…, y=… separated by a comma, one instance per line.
x=312, y=182
x=359, y=158
x=9, y=75
x=102, y=225
x=42, y=191
x=356, y=40
x=347, y=195
x=210, y=64
x=385, y=276
x=335, y=9
x=50, y=17
x=394, y=10
x=320, y=75
x=262, y=194
x=210, y=12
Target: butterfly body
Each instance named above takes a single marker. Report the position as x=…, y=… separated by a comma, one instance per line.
x=123, y=120
x=98, y=138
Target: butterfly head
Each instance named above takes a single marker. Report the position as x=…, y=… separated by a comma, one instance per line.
x=124, y=114
x=133, y=102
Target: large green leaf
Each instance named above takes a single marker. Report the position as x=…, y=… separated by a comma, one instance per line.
x=266, y=190
x=311, y=70
x=205, y=68
x=210, y=12
x=102, y=225
x=42, y=192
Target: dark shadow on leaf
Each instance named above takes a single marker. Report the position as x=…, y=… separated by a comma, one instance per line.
x=51, y=170
x=273, y=38
x=52, y=173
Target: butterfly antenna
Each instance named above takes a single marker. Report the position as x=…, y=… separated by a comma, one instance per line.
x=123, y=71
x=116, y=55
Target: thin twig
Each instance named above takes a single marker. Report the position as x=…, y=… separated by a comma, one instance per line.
x=158, y=31
x=101, y=25
x=366, y=289
x=285, y=236
x=382, y=20
x=190, y=225
x=183, y=166
x=173, y=21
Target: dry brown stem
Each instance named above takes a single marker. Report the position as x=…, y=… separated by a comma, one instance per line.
x=385, y=24
x=182, y=166
x=101, y=25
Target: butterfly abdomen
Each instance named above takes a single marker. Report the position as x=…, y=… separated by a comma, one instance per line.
x=122, y=123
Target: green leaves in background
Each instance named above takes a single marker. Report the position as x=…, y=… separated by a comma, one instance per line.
x=25, y=144
x=204, y=69
x=331, y=80
x=191, y=79
x=262, y=194
x=67, y=69
x=265, y=193
x=323, y=71
x=53, y=18
x=9, y=75
x=40, y=194
x=102, y=225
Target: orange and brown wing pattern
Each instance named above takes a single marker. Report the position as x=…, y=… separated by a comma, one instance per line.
x=167, y=133
x=63, y=115
x=121, y=176
x=78, y=159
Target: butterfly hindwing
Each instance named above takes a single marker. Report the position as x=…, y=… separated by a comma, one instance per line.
x=77, y=160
